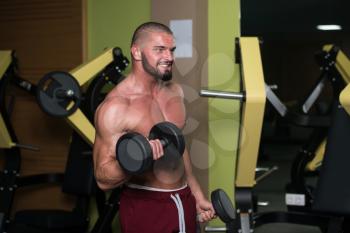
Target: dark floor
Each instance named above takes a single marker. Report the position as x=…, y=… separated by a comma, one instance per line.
x=272, y=188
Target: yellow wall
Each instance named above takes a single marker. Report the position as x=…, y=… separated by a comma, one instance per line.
x=223, y=25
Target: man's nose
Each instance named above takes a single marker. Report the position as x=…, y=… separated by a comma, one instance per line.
x=169, y=55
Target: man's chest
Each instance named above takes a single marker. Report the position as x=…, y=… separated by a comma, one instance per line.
x=143, y=114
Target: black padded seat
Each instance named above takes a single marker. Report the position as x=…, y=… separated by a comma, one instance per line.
x=51, y=219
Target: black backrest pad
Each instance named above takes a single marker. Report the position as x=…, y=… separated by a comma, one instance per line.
x=333, y=187
x=79, y=174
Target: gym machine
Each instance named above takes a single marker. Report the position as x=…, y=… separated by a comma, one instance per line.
x=59, y=94
x=253, y=99
x=332, y=62
x=10, y=147
x=334, y=65
x=330, y=206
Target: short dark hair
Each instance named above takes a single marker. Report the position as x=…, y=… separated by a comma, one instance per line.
x=149, y=26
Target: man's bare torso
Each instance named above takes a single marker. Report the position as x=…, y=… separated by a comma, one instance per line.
x=142, y=112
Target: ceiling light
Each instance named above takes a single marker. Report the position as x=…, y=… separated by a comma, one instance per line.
x=329, y=27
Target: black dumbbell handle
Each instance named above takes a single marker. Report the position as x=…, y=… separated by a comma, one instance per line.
x=170, y=134
x=164, y=142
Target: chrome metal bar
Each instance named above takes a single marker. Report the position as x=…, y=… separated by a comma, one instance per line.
x=314, y=95
x=223, y=94
x=245, y=223
x=263, y=203
x=275, y=101
x=262, y=169
x=215, y=229
x=266, y=174
x=273, y=86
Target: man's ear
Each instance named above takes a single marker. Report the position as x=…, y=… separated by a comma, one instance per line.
x=136, y=53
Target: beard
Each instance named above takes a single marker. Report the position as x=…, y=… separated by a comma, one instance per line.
x=154, y=72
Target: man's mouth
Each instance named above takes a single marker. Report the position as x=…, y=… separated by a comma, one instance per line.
x=165, y=64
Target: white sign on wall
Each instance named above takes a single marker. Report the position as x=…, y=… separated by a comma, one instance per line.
x=182, y=30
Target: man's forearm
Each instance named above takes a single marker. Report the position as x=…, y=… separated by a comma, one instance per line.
x=191, y=179
x=195, y=187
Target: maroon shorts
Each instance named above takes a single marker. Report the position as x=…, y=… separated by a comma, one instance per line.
x=156, y=212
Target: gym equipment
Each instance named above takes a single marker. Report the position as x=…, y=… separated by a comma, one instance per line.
x=55, y=91
x=9, y=177
x=310, y=156
x=64, y=93
x=223, y=206
x=300, y=114
x=78, y=178
x=331, y=203
x=333, y=63
x=253, y=99
x=329, y=208
x=134, y=152
x=344, y=97
x=7, y=73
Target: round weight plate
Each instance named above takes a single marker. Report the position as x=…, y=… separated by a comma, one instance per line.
x=170, y=133
x=134, y=153
x=223, y=206
x=55, y=93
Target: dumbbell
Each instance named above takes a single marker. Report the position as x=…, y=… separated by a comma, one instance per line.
x=222, y=205
x=134, y=152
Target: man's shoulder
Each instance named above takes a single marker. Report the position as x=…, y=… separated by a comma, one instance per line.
x=113, y=105
x=113, y=100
